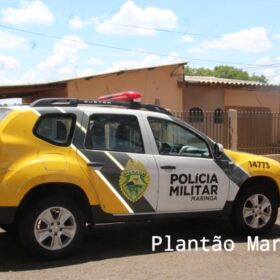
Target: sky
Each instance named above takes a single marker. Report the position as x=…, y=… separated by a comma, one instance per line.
x=52, y=40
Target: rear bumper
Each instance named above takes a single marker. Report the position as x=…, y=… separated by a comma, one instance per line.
x=7, y=215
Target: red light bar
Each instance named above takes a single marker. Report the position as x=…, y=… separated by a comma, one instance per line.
x=121, y=96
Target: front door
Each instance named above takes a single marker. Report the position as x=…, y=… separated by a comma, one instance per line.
x=189, y=178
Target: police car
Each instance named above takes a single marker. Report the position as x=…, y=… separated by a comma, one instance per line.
x=67, y=163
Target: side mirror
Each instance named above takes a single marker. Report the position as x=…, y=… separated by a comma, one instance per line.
x=218, y=149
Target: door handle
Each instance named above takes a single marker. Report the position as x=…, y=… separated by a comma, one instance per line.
x=227, y=162
x=96, y=164
x=168, y=167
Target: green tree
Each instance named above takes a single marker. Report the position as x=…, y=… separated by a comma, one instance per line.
x=224, y=71
x=198, y=71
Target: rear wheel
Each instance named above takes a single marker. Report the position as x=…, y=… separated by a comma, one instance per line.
x=52, y=228
x=255, y=210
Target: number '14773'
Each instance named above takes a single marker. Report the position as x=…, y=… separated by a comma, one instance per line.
x=259, y=164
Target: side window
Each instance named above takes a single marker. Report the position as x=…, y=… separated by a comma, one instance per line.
x=113, y=132
x=175, y=140
x=55, y=128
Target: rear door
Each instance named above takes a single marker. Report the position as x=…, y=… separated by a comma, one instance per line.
x=120, y=164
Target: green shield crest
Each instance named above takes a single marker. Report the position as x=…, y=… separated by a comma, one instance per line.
x=134, y=180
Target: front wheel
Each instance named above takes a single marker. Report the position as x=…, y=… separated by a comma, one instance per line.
x=255, y=210
x=52, y=228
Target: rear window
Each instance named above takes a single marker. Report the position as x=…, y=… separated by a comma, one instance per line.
x=3, y=113
x=56, y=129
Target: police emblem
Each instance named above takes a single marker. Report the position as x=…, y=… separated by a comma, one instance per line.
x=134, y=180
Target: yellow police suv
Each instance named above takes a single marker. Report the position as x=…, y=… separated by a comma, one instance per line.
x=67, y=163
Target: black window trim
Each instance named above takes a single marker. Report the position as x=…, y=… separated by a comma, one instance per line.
x=70, y=136
x=115, y=151
x=188, y=129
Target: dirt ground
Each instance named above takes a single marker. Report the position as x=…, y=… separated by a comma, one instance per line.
x=124, y=251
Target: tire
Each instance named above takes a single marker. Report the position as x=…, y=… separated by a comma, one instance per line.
x=53, y=228
x=255, y=210
x=9, y=228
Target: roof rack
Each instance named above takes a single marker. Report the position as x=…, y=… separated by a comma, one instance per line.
x=74, y=102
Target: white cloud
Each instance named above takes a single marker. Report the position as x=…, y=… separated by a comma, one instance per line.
x=85, y=72
x=147, y=61
x=250, y=40
x=276, y=36
x=187, y=38
x=69, y=45
x=9, y=41
x=264, y=60
x=95, y=61
x=76, y=22
x=273, y=75
x=131, y=16
x=9, y=70
x=29, y=12
x=61, y=64
x=8, y=63
x=5, y=80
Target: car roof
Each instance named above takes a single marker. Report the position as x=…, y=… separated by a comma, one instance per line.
x=75, y=102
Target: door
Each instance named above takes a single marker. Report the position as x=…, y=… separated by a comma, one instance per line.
x=122, y=171
x=189, y=178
